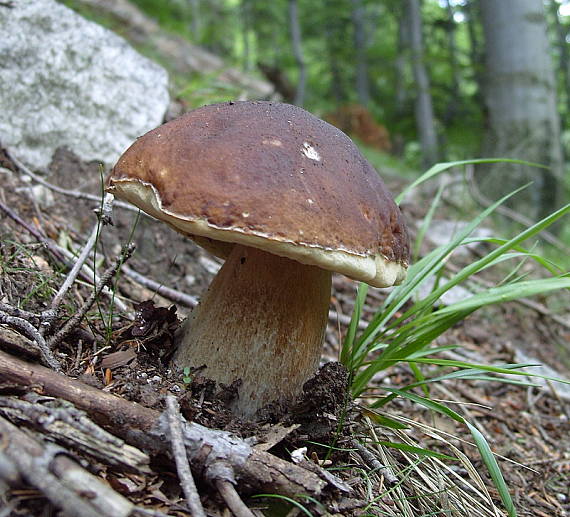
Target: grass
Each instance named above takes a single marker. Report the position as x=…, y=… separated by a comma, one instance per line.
x=405, y=328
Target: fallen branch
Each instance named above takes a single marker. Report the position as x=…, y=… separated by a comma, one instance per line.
x=181, y=459
x=168, y=293
x=31, y=332
x=71, y=427
x=214, y=454
x=72, y=275
x=52, y=247
x=232, y=499
x=66, y=192
x=66, y=484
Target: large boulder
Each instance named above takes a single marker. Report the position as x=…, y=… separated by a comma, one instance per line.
x=68, y=82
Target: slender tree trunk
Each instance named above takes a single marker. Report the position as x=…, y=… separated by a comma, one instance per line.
x=454, y=102
x=424, y=108
x=195, y=25
x=475, y=53
x=563, y=57
x=337, y=88
x=520, y=94
x=360, y=46
x=244, y=10
x=295, y=30
x=400, y=64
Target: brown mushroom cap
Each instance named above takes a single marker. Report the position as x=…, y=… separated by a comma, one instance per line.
x=270, y=176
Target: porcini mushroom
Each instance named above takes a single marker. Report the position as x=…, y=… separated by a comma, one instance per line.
x=286, y=198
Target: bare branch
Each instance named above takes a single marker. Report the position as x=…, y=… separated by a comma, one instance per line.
x=29, y=330
x=60, y=479
x=169, y=293
x=232, y=499
x=181, y=459
x=80, y=314
x=66, y=192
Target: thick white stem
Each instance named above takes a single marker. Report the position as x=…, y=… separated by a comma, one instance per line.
x=262, y=320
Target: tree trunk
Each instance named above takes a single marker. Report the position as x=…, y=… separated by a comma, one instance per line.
x=424, y=108
x=453, y=102
x=295, y=29
x=245, y=14
x=563, y=57
x=402, y=93
x=520, y=95
x=360, y=45
x=476, y=57
x=195, y=25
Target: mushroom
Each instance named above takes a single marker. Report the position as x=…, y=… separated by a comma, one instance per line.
x=286, y=199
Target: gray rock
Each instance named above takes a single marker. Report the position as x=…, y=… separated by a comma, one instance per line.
x=441, y=232
x=65, y=81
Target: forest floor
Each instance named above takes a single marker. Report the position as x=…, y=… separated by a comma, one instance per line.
x=527, y=427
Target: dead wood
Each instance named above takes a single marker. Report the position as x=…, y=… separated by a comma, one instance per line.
x=66, y=484
x=181, y=458
x=214, y=455
x=71, y=427
x=32, y=333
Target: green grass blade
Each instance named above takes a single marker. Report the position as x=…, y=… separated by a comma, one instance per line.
x=347, y=351
x=286, y=499
x=401, y=294
x=423, y=401
x=426, y=224
x=494, y=471
x=438, y=168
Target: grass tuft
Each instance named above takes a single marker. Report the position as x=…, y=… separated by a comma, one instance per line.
x=405, y=328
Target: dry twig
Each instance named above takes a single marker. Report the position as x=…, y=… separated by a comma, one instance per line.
x=373, y=463
x=60, y=479
x=106, y=277
x=179, y=453
x=232, y=499
x=66, y=192
x=29, y=330
x=171, y=294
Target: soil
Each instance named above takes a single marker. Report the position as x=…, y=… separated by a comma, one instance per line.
x=528, y=426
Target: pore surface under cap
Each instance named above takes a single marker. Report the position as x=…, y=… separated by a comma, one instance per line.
x=273, y=176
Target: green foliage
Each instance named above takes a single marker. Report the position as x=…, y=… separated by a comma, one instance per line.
x=186, y=375
x=404, y=329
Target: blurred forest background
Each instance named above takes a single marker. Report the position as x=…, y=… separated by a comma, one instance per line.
x=415, y=82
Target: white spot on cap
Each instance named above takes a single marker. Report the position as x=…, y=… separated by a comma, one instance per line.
x=310, y=201
x=310, y=152
x=272, y=141
x=245, y=215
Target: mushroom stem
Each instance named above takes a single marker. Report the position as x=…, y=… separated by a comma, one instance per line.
x=262, y=320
